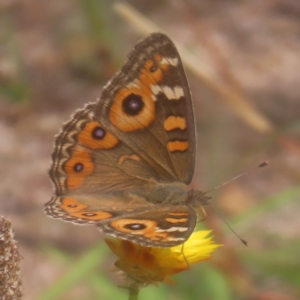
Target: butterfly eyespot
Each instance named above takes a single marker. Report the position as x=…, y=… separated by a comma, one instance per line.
x=72, y=205
x=98, y=133
x=153, y=68
x=133, y=104
x=94, y=136
x=89, y=215
x=78, y=167
x=136, y=226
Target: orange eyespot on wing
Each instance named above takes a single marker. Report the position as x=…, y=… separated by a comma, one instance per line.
x=134, y=226
x=133, y=108
x=95, y=137
x=71, y=205
x=92, y=216
x=152, y=71
x=78, y=167
x=144, y=228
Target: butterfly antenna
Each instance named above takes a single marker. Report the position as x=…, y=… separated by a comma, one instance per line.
x=220, y=216
x=261, y=165
x=204, y=214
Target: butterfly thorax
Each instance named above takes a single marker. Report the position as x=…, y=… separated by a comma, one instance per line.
x=175, y=194
x=167, y=193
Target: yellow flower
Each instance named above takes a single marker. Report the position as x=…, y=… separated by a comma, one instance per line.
x=144, y=265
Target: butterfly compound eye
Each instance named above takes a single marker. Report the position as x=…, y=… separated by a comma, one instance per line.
x=133, y=104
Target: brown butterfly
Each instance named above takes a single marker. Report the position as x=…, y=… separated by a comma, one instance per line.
x=124, y=162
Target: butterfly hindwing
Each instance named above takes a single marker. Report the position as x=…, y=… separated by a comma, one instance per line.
x=90, y=208
x=166, y=227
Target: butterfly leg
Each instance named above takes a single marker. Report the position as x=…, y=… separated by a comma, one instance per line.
x=204, y=215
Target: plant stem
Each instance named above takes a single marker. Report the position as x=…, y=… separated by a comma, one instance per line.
x=133, y=292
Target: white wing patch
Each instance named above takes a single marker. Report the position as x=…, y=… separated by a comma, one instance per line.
x=174, y=93
x=172, y=229
x=178, y=92
x=169, y=61
x=168, y=91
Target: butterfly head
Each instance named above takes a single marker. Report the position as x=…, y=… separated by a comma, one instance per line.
x=197, y=198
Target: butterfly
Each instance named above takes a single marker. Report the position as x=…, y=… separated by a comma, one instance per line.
x=124, y=162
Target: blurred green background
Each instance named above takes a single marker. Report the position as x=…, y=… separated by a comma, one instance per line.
x=56, y=55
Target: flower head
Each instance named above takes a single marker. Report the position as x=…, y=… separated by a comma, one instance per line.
x=144, y=265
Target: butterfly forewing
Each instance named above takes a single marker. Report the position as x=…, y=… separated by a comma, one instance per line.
x=149, y=108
